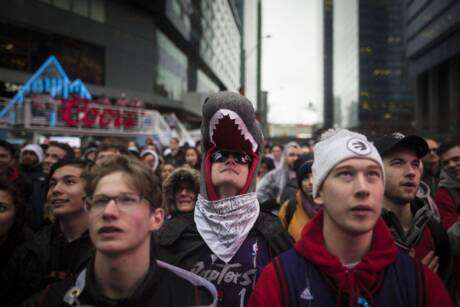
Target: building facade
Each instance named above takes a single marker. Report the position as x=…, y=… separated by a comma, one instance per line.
x=162, y=52
x=432, y=38
x=370, y=82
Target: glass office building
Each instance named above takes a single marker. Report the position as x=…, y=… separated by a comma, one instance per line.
x=157, y=51
x=370, y=84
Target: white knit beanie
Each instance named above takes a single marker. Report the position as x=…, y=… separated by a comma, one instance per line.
x=36, y=149
x=337, y=146
x=154, y=154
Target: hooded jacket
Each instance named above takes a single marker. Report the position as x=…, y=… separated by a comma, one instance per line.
x=272, y=185
x=228, y=123
x=43, y=260
x=182, y=174
x=296, y=213
x=424, y=235
x=158, y=288
x=448, y=200
x=346, y=286
x=424, y=194
x=154, y=154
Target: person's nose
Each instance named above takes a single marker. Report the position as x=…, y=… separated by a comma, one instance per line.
x=361, y=186
x=110, y=210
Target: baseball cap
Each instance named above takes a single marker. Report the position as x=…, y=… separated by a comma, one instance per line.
x=390, y=142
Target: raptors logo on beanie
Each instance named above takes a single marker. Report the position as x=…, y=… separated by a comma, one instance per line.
x=336, y=146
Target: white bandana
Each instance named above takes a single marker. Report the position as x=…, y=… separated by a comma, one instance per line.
x=224, y=224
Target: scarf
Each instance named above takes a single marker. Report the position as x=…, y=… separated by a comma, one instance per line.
x=308, y=204
x=362, y=280
x=224, y=224
x=407, y=240
x=447, y=182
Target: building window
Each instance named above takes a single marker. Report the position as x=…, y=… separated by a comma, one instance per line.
x=93, y=9
x=171, y=70
x=26, y=50
x=63, y=4
x=81, y=7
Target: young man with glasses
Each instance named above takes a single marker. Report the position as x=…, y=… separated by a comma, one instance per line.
x=227, y=239
x=58, y=250
x=123, y=205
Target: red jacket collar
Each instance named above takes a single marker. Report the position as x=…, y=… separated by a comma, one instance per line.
x=365, y=278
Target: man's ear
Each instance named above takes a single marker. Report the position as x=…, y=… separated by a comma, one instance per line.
x=319, y=199
x=157, y=217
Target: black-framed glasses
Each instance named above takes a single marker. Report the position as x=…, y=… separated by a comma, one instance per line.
x=124, y=202
x=223, y=155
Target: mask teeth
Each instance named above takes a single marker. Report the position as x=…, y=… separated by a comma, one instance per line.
x=213, y=123
x=238, y=121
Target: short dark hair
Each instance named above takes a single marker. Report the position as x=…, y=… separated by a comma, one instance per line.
x=70, y=154
x=446, y=146
x=279, y=145
x=142, y=177
x=78, y=163
x=268, y=162
x=112, y=146
x=8, y=146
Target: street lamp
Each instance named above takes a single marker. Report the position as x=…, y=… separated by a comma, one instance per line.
x=244, y=58
x=251, y=51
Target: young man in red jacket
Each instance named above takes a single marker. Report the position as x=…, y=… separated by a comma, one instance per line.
x=346, y=256
x=448, y=199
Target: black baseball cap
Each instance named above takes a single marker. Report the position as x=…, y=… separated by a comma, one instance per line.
x=396, y=140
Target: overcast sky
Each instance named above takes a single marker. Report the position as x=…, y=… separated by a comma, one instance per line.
x=291, y=61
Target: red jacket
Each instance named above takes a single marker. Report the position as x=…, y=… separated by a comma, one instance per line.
x=363, y=278
x=448, y=211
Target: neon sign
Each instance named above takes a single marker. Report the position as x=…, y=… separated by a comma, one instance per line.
x=49, y=79
x=78, y=111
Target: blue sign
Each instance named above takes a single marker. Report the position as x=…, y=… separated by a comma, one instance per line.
x=49, y=79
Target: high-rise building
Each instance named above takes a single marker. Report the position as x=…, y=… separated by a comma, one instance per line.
x=370, y=85
x=158, y=51
x=432, y=39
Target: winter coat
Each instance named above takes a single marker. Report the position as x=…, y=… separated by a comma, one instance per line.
x=342, y=286
x=448, y=200
x=294, y=216
x=425, y=234
x=271, y=187
x=43, y=260
x=164, y=285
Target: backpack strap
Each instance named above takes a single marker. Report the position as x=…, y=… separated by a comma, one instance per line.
x=455, y=194
x=443, y=251
x=282, y=282
x=290, y=210
x=421, y=281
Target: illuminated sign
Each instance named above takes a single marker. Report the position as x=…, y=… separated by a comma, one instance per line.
x=49, y=79
x=80, y=112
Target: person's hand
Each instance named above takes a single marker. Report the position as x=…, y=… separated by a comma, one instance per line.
x=431, y=261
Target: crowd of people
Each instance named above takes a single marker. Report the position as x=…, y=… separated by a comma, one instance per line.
x=232, y=220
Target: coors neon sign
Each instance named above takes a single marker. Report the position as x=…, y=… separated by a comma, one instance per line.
x=50, y=100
